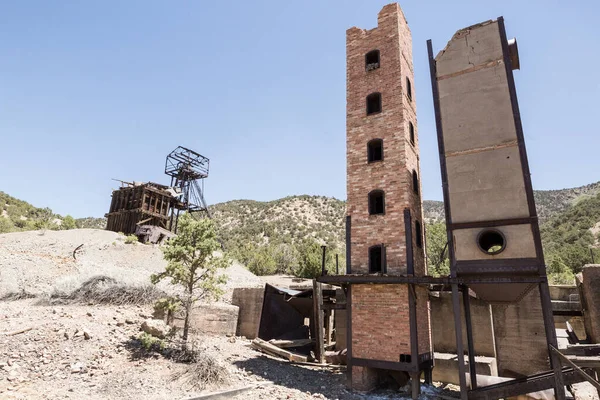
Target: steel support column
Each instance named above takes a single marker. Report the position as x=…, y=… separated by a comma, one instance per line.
x=459, y=343
x=559, y=388
x=470, y=344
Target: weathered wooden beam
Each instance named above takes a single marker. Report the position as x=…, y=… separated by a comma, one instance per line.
x=290, y=343
x=268, y=348
x=318, y=321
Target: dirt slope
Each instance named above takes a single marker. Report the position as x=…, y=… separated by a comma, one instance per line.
x=39, y=262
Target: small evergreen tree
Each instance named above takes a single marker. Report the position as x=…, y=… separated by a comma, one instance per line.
x=6, y=225
x=310, y=260
x=68, y=222
x=192, y=264
x=261, y=262
x=436, y=249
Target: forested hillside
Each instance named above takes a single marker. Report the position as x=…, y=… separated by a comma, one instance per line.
x=286, y=235
x=18, y=215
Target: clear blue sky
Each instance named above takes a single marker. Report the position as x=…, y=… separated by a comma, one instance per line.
x=91, y=91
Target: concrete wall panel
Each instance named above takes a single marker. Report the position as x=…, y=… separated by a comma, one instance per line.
x=249, y=301
x=486, y=186
x=442, y=324
x=475, y=45
x=520, y=337
x=473, y=104
x=519, y=243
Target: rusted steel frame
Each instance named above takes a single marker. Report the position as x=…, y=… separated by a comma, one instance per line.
x=500, y=266
x=414, y=341
x=425, y=280
x=580, y=371
x=318, y=320
x=470, y=344
x=348, y=244
x=521, y=139
x=459, y=342
x=410, y=262
x=492, y=223
x=559, y=386
x=392, y=365
x=528, y=384
x=349, y=360
x=442, y=152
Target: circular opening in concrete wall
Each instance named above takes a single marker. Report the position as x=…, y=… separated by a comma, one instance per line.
x=491, y=241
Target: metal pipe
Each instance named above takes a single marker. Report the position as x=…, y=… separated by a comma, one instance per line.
x=323, y=272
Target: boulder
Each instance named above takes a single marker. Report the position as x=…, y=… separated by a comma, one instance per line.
x=156, y=328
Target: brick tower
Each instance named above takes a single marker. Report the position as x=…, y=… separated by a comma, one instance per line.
x=389, y=328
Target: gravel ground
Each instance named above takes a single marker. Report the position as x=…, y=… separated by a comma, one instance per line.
x=54, y=360
x=93, y=351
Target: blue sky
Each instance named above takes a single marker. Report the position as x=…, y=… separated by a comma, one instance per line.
x=91, y=91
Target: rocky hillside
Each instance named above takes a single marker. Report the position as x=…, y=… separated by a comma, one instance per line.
x=548, y=202
x=552, y=202
x=18, y=215
x=296, y=217
x=285, y=221
x=289, y=220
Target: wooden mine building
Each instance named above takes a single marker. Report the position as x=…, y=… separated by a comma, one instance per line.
x=141, y=204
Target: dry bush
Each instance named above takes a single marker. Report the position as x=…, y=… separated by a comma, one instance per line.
x=20, y=295
x=103, y=289
x=205, y=371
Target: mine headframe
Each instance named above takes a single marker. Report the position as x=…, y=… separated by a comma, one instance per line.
x=187, y=170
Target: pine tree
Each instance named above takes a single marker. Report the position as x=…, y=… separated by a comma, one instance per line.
x=194, y=264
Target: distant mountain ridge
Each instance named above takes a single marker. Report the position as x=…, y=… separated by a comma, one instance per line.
x=548, y=202
x=294, y=217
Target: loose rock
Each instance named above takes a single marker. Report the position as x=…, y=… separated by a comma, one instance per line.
x=156, y=328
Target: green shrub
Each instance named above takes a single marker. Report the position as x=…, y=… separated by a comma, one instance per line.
x=68, y=222
x=6, y=225
x=131, y=239
x=262, y=262
x=151, y=343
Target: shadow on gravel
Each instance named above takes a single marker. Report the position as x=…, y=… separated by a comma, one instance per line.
x=202, y=370
x=306, y=379
x=138, y=352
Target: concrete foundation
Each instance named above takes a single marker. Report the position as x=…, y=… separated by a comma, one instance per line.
x=520, y=337
x=442, y=325
x=590, y=288
x=217, y=319
x=446, y=367
x=249, y=301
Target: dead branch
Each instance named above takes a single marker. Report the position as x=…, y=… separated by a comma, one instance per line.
x=16, y=332
x=75, y=251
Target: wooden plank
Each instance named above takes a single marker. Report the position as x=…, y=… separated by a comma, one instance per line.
x=268, y=348
x=290, y=343
x=318, y=320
